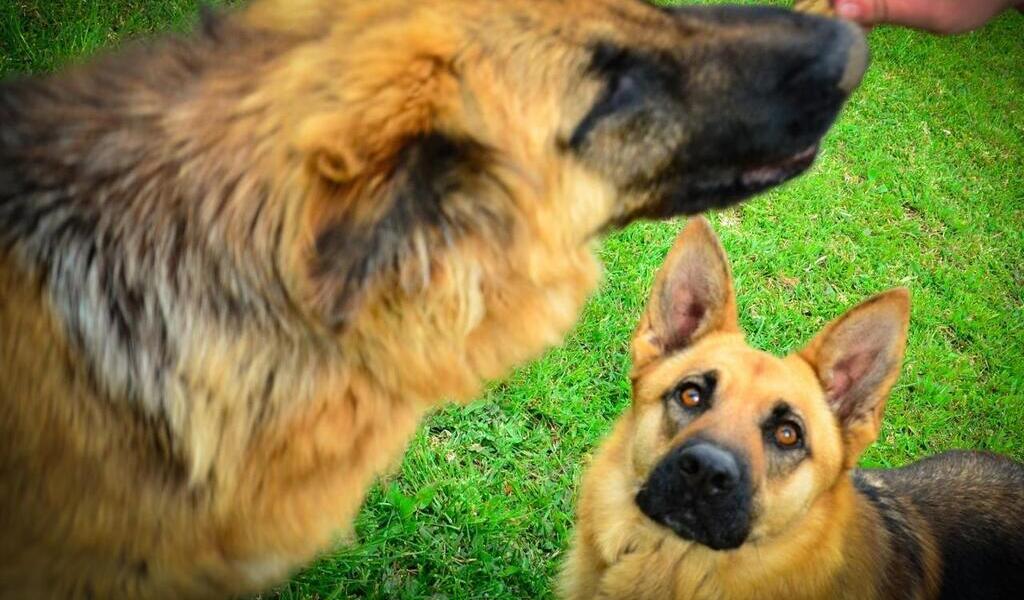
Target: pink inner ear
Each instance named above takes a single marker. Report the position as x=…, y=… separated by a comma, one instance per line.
x=684, y=315
x=845, y=374
x=838, y=385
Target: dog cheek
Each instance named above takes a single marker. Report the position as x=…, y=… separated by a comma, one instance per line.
x=778, y=509
x=648, y=445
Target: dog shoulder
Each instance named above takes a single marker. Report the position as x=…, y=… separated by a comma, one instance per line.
x=974, y=504
x=913, y=564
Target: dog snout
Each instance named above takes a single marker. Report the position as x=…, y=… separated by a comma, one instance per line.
x=729, y=101
x=783, y=50
x=840, y=56
x=709, y=470
x=702, y=492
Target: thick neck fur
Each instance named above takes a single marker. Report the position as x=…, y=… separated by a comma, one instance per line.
x=116, y=193
x=105, y=190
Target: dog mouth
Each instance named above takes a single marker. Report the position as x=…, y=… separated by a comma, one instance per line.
x=733, y=185
x=720, y=532
x=766, y=176
x=719, y=187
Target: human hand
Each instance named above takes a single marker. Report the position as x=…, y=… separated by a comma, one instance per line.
x=937, y=16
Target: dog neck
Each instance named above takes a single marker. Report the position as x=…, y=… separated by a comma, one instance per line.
x=900, y=540
x=134, y=190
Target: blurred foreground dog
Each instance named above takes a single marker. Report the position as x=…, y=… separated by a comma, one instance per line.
x=733, y=476
x=236, y=267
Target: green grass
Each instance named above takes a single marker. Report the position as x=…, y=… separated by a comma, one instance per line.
x=921, y=184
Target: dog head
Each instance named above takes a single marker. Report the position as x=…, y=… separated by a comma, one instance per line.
x=425, y=122
x=733, y=444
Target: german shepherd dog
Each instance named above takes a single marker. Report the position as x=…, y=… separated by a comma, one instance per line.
x=732, y=476
x=237, y=266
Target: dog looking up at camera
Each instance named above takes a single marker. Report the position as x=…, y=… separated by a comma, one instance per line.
x=732, y=476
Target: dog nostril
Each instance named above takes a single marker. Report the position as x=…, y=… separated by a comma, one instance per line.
x=689, y=465
x=721, y=482
x=707, y=469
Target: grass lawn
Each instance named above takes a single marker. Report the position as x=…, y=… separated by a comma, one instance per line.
x=921, y=184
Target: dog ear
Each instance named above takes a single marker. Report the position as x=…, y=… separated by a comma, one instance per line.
x=391, y=225
x=380, y=171
x=692, y=296
x=857, y=359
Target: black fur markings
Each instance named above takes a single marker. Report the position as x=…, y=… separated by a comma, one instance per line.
x=906, y=569
x=103, y=220
x=705, y=382
x=353, y=250
x=634, y=81
x=782, y=461
x=974, y=504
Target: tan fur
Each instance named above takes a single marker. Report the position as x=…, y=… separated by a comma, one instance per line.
x=813, y=536
x=258, y=502
x=816, y=7
x=218, y=321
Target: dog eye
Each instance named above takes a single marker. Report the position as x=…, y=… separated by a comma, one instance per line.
x=691, y=396
x=787, y=435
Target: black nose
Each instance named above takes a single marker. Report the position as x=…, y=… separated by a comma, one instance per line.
x=709, y=469
x=842, y=56
x=702, y=491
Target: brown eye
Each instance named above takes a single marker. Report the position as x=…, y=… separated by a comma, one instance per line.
x=787, y=435
x=690, y=396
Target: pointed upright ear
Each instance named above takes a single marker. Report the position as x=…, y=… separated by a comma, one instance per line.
x=857, y=359
x=692, y=296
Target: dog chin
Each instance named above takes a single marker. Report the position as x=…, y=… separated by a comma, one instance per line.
x=720, y=541
x=723, y=187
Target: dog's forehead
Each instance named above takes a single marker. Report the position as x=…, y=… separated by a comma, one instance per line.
x=740, y=371
x=762, y=377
